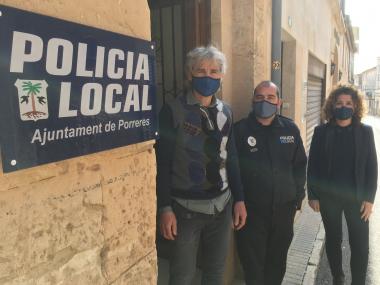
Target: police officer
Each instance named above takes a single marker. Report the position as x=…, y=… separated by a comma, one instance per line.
x=273, y=169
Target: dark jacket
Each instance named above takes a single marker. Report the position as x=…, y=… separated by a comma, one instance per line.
x=320, y=162
x=272, y=161
x=196, y=152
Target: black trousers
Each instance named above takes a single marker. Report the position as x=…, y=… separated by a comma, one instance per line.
x=264, y=242
x=331, y=208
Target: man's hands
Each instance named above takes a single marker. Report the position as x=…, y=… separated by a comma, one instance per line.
x=314, y=204
x=168, y=221
x=240, y=215
x=366, y=210
x=168, y=225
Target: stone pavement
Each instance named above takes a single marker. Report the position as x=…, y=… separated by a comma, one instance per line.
x=306, y=248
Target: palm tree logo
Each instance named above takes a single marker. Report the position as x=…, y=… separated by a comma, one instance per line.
x=32, y=99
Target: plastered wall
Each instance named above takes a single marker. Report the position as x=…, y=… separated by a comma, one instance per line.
x=308, y=29
x=87, y=220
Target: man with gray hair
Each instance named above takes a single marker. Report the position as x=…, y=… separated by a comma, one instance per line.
x=273, y=169
x=198, y=179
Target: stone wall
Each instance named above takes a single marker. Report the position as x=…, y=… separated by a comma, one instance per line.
x=242, y=29
x=87, y=220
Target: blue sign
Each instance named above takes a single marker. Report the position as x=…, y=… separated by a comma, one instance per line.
x=68, y=90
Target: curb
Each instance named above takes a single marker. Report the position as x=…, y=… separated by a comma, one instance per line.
x=313, y=264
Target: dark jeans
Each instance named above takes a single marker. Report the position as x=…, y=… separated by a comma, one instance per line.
x=264, y=242
x=358, y=232
x=212, y=233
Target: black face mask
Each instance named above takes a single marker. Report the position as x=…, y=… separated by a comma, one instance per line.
x=264, y=109
x=343, y=113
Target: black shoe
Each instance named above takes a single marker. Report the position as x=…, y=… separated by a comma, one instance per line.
x=339, y=280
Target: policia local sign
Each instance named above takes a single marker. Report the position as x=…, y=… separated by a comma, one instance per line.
x=67, y=90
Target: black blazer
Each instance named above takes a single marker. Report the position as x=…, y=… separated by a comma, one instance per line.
x=320, y=162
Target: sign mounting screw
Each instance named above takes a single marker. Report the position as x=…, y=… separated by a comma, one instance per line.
x=1, y=13
x=13, y=162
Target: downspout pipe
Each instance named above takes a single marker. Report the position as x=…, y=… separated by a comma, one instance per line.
x=276, y=61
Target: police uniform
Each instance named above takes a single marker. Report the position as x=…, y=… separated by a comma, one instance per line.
x=273, y=168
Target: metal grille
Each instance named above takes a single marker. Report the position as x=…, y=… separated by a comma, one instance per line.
x=167, y=34
x=177, y=26
x=314, y=104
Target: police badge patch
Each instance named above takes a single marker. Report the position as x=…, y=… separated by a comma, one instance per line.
x=251, y=141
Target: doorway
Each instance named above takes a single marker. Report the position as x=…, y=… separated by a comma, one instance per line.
x=177, y=26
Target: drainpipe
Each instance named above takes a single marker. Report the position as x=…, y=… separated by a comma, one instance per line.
x=276, y=42
x=343, y=7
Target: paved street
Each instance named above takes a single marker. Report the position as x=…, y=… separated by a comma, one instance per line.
x=373, y=275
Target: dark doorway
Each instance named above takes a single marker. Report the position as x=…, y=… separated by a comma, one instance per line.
x=177, y=26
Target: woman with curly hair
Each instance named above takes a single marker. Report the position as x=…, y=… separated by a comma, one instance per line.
x=342, y=178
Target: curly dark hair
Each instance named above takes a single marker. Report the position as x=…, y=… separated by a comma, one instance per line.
x=357, y=98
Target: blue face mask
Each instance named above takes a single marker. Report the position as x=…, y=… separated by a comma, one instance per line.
x=205, y=86
x=264, y=109
x=343, y=113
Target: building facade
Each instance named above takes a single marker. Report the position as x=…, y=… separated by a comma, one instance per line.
x=61, y=223
x=368, y=82
x=317, y=55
